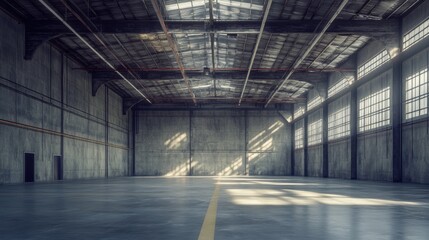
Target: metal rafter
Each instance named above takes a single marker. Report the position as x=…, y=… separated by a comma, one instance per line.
x=212, y=47
x=255, y=50
x=173, y=48
x=50, y=9
x=310, y=77
x=314, y=41
x=133, y=26
x=90, y=26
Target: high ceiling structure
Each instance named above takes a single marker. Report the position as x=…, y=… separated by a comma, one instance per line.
x=209, y=51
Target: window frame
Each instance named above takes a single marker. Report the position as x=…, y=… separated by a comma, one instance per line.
x=373, y=63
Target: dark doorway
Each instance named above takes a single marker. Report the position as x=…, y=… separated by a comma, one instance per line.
x=29, y=167
x=58, y=168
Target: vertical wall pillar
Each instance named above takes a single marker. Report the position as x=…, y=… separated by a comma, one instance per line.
x=62, y=108
x=246, y=124
x=292, y=156
x=133, y=137
x=353, y=132
x=397, y=120
x=190, y=143
x=305, y=128
x=325, y=140
x=397, y=96
x=135, y=130
x=106, y=135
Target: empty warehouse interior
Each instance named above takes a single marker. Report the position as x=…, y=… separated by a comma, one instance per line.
x=214, y=119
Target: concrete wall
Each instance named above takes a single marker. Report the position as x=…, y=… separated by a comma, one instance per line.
x=268, y=143
x=299, y=153
x=299, y=162
x=315, y=161
x=415, y=152
x=212, y=142
x=162, y=143
x=315, y=152
x=339, y=159
x=339, y=151
x=415, y=131
x=418, y=15
x=374, y=156
x=217, y=142
x=374, y=147
x=31, y=107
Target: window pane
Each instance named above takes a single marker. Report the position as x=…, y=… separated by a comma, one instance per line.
x=417, y=34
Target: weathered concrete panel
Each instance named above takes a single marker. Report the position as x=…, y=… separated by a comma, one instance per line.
x=83, y=160
x=415, y=152
x=115, y=111
x=118, y=162
x=210, y=163
x=315, y=161
x=10, y=167
x=374, y=156
x=268, y=143
x=7, y=104
x=217, y=142
x=268, y=163
x=78, y=84
x=162, y=143
x=339, y=153
x=29, y=112
x=299, y=162
x=169, y=163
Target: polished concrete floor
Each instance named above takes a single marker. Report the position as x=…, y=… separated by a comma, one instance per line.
x=247, y=208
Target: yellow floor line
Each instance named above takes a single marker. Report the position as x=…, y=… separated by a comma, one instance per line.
x=208, y=228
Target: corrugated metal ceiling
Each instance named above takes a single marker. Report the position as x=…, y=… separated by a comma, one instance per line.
x=151, y=52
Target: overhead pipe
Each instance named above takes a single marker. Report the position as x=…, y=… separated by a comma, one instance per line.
x=313, y=43
x=174, y=49
x=49, y=8
x=255, y=50
x=91, y=30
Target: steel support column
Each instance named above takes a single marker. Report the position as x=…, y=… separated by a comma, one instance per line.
x=353, y=132
x=106, y=133
x=305, y=130
x=397, y=120
x=292, y=155
x=325, y=159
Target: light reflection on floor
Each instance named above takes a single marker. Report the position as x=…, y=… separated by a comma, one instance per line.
x=316, y=208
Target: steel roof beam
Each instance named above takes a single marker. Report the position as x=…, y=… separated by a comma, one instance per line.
x=309, y=77
x=348, y=27
x=40, y=31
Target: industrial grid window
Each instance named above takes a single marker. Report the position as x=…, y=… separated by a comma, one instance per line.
x=374, y=104
x=373, y=63
x=315, y=129
x=416, y=35
x=340, y=85
x=339, y=118
x=316, y=101
x=299, y=135
x=416, y=94
x=299, y=111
